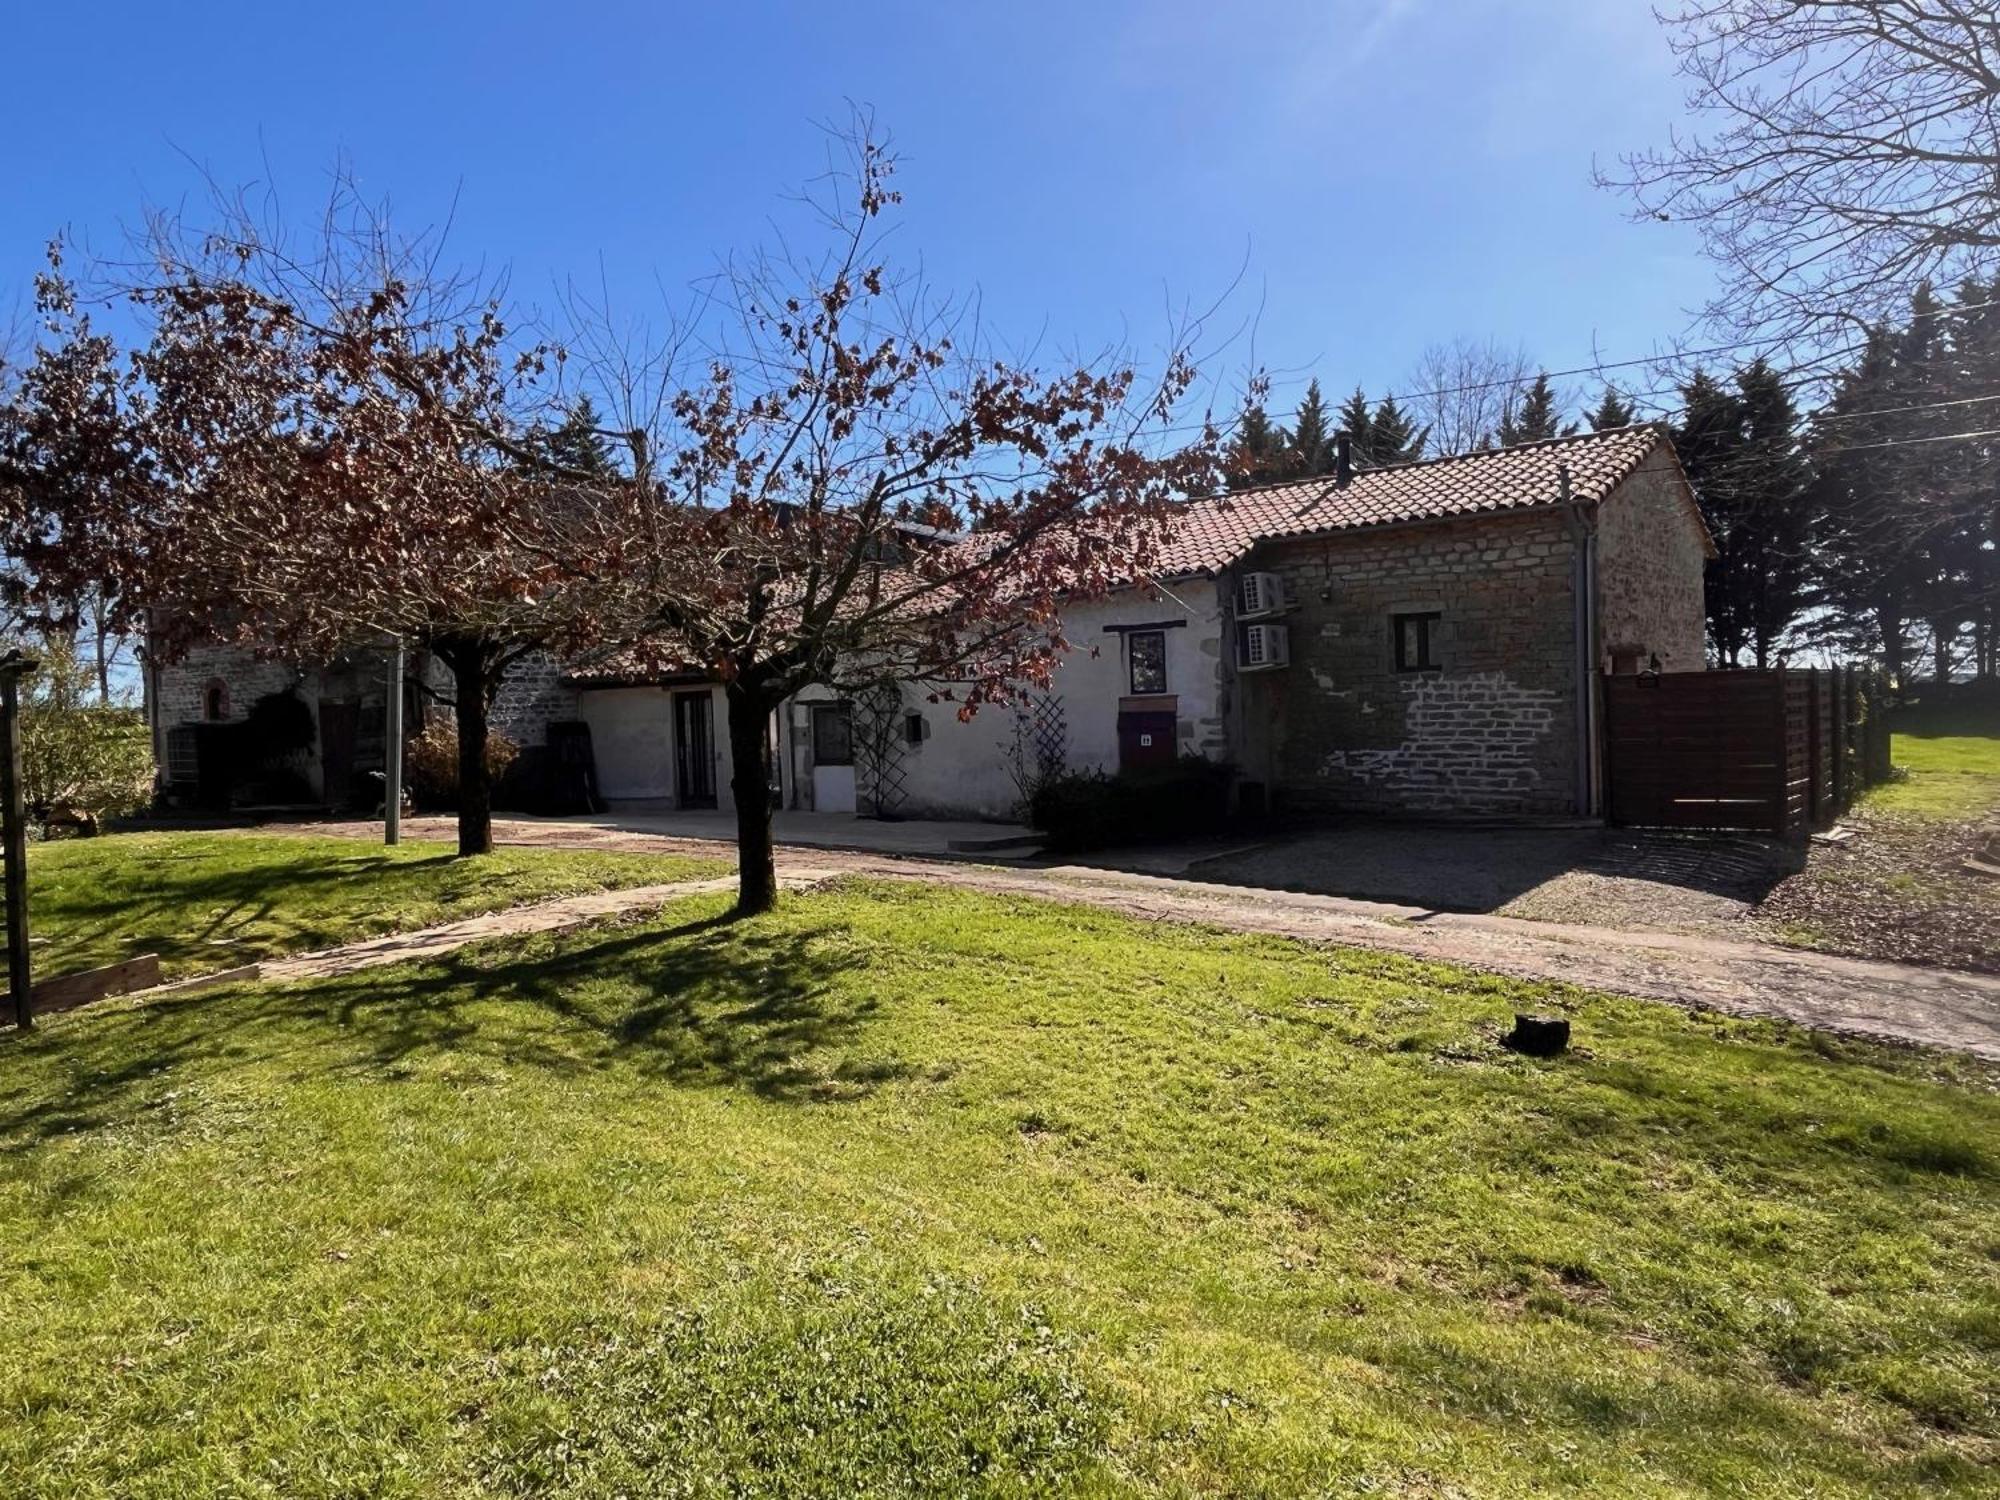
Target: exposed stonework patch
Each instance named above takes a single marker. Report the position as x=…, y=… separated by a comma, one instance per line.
x=531, y=696
x=1472, y=736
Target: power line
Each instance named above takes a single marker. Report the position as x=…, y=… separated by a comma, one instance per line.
x=1897, y=411
x=1770, y=340
x=1941, y=437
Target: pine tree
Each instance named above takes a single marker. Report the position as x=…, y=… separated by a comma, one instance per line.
x=1259, y=452
x=1910, y=507
x=1867, y=570
x=1975, y=337
x=1310, y=442
x=1393, y=436
x=1613, y=411
x=1709, y=439
x=1933, y=478
x=1354, y=420
x=1773, y=526
x=579, y=443
x=1536, y=419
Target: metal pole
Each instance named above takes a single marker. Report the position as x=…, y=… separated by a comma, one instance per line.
x=392, y=754
x=14, y=836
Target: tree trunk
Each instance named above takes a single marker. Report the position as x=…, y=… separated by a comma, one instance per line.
x=750, y=783
x=471, y=664
x=1944, y=636
x=103, y=660
x=1890, y=623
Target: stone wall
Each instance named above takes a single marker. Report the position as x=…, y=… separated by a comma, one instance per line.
x=1492, y=731
x=1651, y=551
x=181, y=687
x=531, y=696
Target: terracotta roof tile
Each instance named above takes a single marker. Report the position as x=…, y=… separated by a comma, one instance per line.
x=1212, y=533
x=1216, y=532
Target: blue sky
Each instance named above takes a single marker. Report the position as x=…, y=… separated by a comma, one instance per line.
x=1385, y=173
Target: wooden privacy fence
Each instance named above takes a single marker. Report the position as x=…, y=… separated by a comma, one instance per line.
x=1781, y=751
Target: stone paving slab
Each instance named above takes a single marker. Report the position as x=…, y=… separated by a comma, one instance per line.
x=547, y=916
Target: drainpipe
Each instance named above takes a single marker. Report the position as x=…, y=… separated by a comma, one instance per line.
x=1583, y=589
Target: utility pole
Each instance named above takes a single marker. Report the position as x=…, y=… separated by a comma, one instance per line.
x=14, y=834
x=392, y=753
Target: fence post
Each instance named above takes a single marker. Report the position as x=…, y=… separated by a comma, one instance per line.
x=1781, y=823
x=14, y=836
x=1838, y=681
x=1815, y=750
x=1878, y=737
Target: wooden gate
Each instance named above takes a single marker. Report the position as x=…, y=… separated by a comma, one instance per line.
x=1779, y=751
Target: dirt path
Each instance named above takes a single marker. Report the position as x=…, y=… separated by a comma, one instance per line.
x=1892, y=1002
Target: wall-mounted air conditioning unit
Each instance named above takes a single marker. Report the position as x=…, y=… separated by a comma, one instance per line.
x=1258, y=595
x=1263, y=648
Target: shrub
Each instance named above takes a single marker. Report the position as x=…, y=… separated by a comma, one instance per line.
x=81, y=762
x=430, y=764
x=1091, y=810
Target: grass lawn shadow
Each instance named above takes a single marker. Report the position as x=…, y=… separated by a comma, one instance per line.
x=715, y=1002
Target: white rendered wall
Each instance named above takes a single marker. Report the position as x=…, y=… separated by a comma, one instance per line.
x=632, y=740
x=964, y=769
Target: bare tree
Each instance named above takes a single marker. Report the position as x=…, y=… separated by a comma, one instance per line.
x=812, y=482
x=1466, y=391
x=1852, y=154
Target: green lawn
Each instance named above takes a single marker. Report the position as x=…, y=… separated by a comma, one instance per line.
x=902, y=1190
x=206, y=901
x=1950, y=777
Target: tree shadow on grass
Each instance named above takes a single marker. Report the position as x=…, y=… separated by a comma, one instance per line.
x=714, y=1003
x=217, y=914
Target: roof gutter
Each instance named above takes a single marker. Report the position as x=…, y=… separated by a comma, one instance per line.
x=1583, y=590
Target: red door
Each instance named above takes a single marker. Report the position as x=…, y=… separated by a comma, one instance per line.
x=1145, y=739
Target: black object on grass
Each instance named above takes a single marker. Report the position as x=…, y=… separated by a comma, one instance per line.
x=1539, y=1036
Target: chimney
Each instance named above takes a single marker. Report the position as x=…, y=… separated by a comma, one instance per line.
x=1343, y=460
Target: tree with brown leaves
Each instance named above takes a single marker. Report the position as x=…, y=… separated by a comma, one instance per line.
x=315, y=449
x=856, y=491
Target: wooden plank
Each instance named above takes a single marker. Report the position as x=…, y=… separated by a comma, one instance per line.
x=67, y=991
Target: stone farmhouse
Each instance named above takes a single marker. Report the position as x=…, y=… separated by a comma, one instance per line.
x=1424, y=639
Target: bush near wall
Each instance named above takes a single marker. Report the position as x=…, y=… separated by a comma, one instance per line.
x=81, y=761
x=1091, y=810
x=430, y=764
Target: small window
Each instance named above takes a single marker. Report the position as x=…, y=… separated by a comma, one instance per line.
x=1148, y=649
x=215, y=700
x=1416, y=643
x=833, y=734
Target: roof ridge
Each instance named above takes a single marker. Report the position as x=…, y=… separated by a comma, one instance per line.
x=1657, y=428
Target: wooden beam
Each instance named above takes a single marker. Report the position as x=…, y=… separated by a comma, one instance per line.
x=68, y=991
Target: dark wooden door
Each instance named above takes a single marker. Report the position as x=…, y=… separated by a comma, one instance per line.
x=339, y=728
x=1145, y=739
x=694, y=749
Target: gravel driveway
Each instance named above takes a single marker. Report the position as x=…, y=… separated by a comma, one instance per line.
x=1589, y=876
x=1889, y=1002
